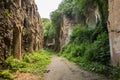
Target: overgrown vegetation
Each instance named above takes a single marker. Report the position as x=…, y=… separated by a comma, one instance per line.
x=78, y=11
x=82, y=44
x=6, y=12
x=87, y=47
x=89, y=52
x=90, y=48
x=34, y=63
x=49, y=31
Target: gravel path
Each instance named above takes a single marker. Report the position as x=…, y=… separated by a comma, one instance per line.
x=62, y=69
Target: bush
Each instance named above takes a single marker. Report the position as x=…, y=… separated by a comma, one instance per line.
x=27, y=59
x=37, y=61
x=85, y=42
x=80, y=34
x=98, y=51
x=6, y=75
x=115, y=72
x=89, y=48
x=14, y=64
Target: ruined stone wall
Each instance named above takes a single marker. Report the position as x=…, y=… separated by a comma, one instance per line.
x=67, y=25
x=114, y=30
x=20, y=28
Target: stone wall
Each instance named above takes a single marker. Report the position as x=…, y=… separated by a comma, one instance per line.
x=114, y=30
x=20, y=28
x=67, y=25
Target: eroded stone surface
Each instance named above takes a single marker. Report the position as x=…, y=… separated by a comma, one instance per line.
x=114, y=30
x=20, y=28
x=66, y=30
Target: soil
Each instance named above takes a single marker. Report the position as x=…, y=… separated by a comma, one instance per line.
x=25, y=76
x=62, y=69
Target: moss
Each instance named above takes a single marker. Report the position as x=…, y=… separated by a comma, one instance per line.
x=6, y=12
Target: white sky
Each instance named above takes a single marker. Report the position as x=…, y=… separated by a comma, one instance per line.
x=45, y=7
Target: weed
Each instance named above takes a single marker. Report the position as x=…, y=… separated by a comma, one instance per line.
x=6, y=75
x=6, y=12
x=14, y=64
x=35, y=63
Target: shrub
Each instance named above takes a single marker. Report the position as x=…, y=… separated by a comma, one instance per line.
x=98, y=51
x=14, y=64
x=115, y=72
x=27, y=59
x=6, y=75
x=37, y=62
x=88, y=43
x=80, y=34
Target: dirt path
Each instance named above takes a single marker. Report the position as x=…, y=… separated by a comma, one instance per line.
x=62, y=69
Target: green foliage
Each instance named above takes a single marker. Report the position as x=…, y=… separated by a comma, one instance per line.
x=89, y=48
x=87, y=65
x=56, y=18
x=102, y=4
x=14, y=64
x=99, y=50
x=80, y=34
x=6, y=75
x=82, y=44
x=37, y=61
x=49, y=30
x=45, y=21
x=66, y=8
x=6, y=12
x=115, y=72
x=73, y=50
x=78, y=10
x=108, y=70
x=75, y=8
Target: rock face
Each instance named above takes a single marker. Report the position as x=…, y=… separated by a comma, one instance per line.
x=114, y=30
x=66, y=30
x=20, y=28
x=67, y=24
x=93, y=17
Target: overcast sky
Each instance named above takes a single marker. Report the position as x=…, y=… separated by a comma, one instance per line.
x=45, y=7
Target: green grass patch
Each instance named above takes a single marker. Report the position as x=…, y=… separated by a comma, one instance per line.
x=34, y=63
x=6, y=75
x=37, y=61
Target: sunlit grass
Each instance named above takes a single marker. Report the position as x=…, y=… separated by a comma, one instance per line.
x=34, y=63
x=37, y=61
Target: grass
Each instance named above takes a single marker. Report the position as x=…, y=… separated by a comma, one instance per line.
x=37, y=62
x=6, y=74
x=34, y=63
